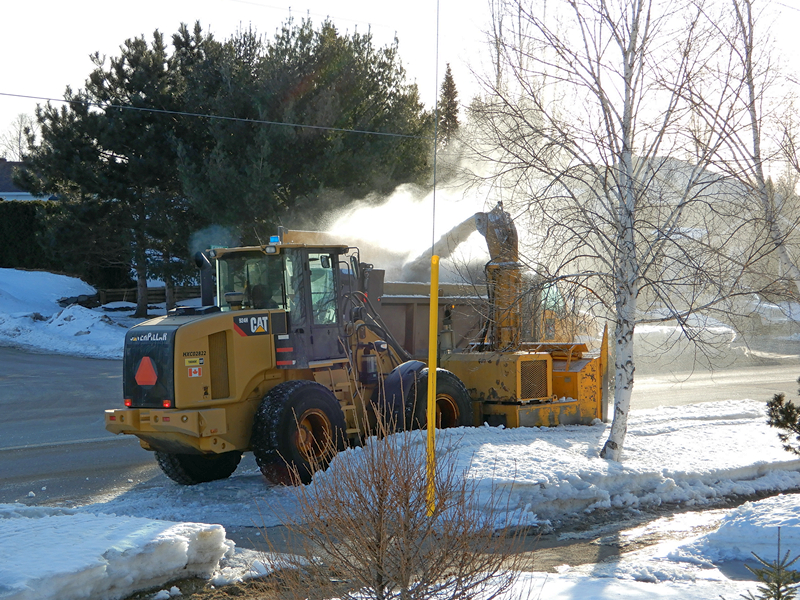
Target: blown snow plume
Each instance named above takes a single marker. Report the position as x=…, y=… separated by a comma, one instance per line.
x=394, y=233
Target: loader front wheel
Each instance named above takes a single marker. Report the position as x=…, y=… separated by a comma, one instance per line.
x=297, y=430
x=453, y=404
x=190, y=469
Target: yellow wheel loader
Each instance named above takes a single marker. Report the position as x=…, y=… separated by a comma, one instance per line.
x=293, y=361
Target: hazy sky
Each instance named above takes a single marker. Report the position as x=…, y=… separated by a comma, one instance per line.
x=45, y=44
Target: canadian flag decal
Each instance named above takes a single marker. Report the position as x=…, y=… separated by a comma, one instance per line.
x=195, y=371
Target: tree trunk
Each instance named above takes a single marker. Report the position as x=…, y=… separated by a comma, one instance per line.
x=169, y=292
x=626, y=274
x=623, y=389
x=140, y=266
x=141, y=292
x=626, y=295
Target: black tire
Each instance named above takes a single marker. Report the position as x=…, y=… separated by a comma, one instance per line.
x=297, y=430
x=190, y=469
x=453, y=404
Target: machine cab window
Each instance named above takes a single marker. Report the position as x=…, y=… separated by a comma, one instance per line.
x=247, y=280
x=323, y=289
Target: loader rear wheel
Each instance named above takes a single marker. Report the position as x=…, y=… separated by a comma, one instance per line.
x=453, y=404
x=190, y=469
x=297, y=430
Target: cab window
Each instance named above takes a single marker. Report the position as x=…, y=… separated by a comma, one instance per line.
x=253, y=279
x=323, y=288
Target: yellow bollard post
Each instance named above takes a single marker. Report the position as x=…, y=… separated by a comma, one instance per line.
x=432, y=359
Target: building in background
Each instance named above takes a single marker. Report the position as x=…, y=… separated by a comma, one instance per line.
x=9, y=191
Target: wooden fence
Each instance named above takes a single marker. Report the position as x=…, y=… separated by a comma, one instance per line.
x=155, y=295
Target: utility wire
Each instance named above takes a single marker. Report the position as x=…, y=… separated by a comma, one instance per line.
x=220, y=117
x=787, y=6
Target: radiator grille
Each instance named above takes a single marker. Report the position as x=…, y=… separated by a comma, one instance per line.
x=533, y=379
x=218, y=357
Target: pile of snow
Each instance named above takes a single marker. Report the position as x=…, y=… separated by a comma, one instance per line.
x=31, y=318
x=27, y=292
x=57, y=553
x=754, y=527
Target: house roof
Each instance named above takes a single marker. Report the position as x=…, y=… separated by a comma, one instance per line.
x=6, y=184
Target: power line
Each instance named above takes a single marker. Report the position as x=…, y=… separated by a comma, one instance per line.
x=217, y=117
x=787, y=6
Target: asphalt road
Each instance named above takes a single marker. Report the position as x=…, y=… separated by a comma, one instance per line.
x=53, y=443
x=651, y=390
x=52, y=437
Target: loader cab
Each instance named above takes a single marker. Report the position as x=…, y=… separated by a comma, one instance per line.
x=313, y=301
x=304, y=282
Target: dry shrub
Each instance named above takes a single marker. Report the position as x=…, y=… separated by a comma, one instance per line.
x=365, y=532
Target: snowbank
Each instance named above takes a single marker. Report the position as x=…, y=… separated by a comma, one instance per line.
x=26, y=292
x=750, y=528
x=30, y=317
x=62, y=554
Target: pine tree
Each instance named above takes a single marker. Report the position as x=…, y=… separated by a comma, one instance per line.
x=448, y=109
x=779, y=581
x=785, y=415
x=115, y=142
x=251, y=176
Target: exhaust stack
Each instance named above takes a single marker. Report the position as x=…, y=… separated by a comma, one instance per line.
x=206, y=279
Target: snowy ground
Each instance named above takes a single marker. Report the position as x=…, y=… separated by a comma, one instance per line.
x=146, y=536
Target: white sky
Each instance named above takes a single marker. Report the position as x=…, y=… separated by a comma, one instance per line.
x=45, y=44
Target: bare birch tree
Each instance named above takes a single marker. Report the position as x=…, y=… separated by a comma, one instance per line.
x=592, y=141
x=752, y=141
x=14, y=142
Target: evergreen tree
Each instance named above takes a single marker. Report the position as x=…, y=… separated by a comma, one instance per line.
x=779, y=581
x=784, y=414
x=133, y=137
x=335, y=87
x=448, y=110
x=110, y=146
x=90, y=239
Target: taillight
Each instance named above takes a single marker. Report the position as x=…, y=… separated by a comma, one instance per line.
x=167, y=403
x=128, y=402
x=112, y=417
